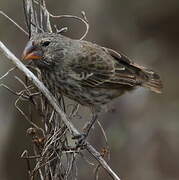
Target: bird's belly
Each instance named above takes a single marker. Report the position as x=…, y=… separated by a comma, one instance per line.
x=88, y=96
x=84, y=95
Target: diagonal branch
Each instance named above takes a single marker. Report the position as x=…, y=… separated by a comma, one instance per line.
x=4, y=50
x=10, y=19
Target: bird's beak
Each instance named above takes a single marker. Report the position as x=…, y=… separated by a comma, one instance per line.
x=31, y=52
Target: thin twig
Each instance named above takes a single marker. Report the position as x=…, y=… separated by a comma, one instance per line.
x=24, y=115
x=97, y=172
x=11, y=20
x=83, y=19
x=74, y=17
x=86, y=160
x=7, y=73
x=26, y=156
x=105, y=137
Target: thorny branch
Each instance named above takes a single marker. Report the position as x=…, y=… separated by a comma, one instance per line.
x=53, y=141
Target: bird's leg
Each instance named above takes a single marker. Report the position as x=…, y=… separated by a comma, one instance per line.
x=86, y=129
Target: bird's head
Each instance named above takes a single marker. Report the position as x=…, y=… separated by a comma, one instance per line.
x=37, y=45
x=41, y=48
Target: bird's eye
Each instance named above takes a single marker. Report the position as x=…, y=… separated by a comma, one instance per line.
x=45, y=43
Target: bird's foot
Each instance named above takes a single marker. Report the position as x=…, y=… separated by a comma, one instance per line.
x=81, y=140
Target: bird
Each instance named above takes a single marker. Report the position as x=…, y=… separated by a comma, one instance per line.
x=90, y=74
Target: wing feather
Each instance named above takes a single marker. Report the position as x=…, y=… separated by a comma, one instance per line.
x=136, y=74
x=101, y=67
x=94, y=66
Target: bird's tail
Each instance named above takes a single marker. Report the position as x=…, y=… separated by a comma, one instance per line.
x=153, y=81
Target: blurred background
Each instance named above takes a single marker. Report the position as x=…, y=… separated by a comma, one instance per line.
x=142, y=127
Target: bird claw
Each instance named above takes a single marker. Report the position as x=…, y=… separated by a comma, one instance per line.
x=81, y=140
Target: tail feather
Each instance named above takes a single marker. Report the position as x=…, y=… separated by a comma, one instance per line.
x=134, y=74
x=153, y=81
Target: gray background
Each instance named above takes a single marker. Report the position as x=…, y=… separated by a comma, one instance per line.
x=143, y=128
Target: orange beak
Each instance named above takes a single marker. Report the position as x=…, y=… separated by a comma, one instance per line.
x=31, y=52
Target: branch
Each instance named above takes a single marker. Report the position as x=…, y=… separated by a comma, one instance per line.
x=5, y=51
x=11, y=20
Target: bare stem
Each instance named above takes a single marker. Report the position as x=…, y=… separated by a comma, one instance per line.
x=11, y=20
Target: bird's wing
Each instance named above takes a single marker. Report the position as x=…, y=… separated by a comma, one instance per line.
x=134, y=74
x=103, y=67
x=92, y=68
x=126, y=71
x=123, y=59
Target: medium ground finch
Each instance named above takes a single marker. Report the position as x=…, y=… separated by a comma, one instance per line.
x=85, y=72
